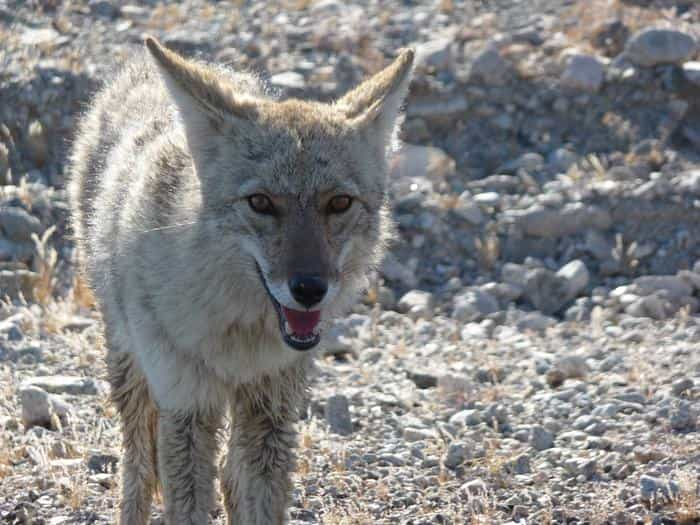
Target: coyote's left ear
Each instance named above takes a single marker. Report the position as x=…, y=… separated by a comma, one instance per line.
x=375, y=104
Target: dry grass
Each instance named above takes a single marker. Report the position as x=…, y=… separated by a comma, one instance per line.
x=686, y=506
x=488, y=250
x=44, y=264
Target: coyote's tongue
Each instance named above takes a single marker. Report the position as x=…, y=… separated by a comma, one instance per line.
x=302, y=323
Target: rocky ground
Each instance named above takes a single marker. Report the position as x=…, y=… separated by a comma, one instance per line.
x=527, y=353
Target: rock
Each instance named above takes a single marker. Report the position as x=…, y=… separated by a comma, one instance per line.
x=412, y=435
x=520, y=465
x=38, y=36
x=610, y=36
x=418, y=304
x=422, y=379
x=691, y=71
x=102, y=463
x=495, y=415
x=652, y=46
x=59, y=384
x=535, y=322
x=469, y=209
x=583, y=72
x=577, y=276
x=530, y=162
x=5, y=175
x=555, y=377
x=17, y=224
x=469, y=418
x=674, y=286
x=540, y=438
x=337, y=413
x=683, y=417
x=37, y=143
x=17, y=282
x=457, y=453
x=567, y=367
x=39, y=408
x=561, y=159
x=474, y=305
x=413, y=161
x=651, y=488
x=547, y=291
x=653, y=306
x=488, y=198
x=289, y=80
x=682, y=385
x=573, y=218
x=490, y=67
x=505, y=293
x=104, y=8
x=393, y=270
x=435, y=54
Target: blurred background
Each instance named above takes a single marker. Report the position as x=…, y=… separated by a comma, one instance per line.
x=527, y=352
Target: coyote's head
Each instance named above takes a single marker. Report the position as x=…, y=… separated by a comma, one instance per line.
x=298, y=187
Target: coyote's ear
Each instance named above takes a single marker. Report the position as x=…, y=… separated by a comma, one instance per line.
x=375, y=104
x=206, y=101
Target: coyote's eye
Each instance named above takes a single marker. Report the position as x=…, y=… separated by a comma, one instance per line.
x=339, y=204
x=260, y=203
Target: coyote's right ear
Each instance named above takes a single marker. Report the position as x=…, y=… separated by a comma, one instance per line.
x=375, y=104
x=206, y=101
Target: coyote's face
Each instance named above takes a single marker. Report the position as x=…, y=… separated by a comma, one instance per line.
x=298, y=187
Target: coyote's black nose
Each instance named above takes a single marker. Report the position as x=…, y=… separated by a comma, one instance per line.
x=308, y=289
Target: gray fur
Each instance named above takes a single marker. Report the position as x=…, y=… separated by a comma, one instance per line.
x=163, y=163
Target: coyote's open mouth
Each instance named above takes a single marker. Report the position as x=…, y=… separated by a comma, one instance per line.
x=298, y=328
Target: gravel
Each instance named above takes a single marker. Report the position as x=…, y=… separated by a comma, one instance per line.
x=526, y=353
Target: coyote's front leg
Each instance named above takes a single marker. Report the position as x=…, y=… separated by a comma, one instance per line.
x=256, y=478
x=186, y=461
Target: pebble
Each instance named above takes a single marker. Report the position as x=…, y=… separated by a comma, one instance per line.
x=418, y=304
x=39, y=408
x=473, y=305
x=337, y=412
x=17, y=224
x=541, y=439
x=59, y=384
x=583, y=72
x=457, y=453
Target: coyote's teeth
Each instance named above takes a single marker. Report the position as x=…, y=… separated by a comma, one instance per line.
x=288, y=328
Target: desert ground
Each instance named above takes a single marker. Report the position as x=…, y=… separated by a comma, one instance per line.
x=528, y=352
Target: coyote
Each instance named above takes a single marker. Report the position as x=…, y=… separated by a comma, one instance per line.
x=221, y=231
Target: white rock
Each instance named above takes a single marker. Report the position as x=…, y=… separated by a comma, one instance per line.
x=417, y=304
x=691, y=70
x=474, y=305
x=421, y=161
x=577, y=276
x=39, y=408
x=488, y=198
x=59, y=384
x=288, y=80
